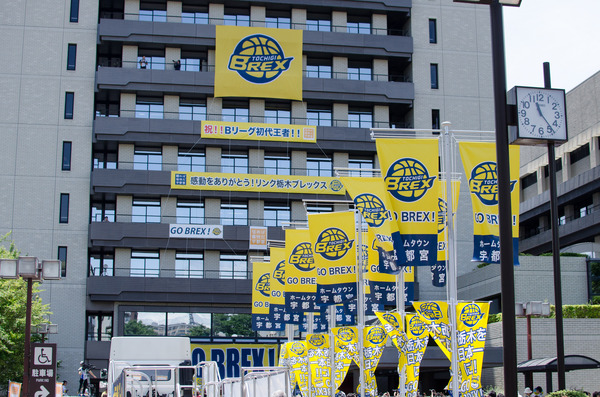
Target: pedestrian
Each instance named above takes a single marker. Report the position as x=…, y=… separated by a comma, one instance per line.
x=64, y=388
x=143, y=62
x=177, y=64
x=538, y=392
x=527, y=392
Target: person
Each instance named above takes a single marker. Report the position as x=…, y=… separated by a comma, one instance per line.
x=143, y=62
x=492, y=393
x=527, y=392
x=538, y=392
x=84, y=375
x=177, y=64
x=386, y=394
x=64, y=388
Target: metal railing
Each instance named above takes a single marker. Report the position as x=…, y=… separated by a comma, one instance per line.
x=563, y=220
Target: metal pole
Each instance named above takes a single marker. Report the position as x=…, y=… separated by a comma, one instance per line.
x=400, y=306
x=361, y=299
x=332, y=349
x=560, y=347
x=27, y=358
x=529, y=375
x=504, y=208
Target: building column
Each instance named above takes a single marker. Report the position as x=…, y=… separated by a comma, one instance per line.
x=174, y=11
x=340, y=68
x=125, y=156
x=256, y=210
x=122, y=262
x=339, y=21
x=566, y=167
x=212, y=261
x=124, y=206
x=171, y=107
x=381, y=116
x=298, y=213
x=213, y=159
x=214, y=107
x=132, y=10
x=298, y=18
x=167, y=263
x=541, y=180
x=256, y=161
x=257, y=16
x=256, y=110
x=216, y=14
x=595, y=152
x=380, y=70
x=212, y=211
x=172, y=54
x=127, y=105
x=340, y=115
x=379, y=24
x=298, y=162
x=129, y=54
x=168, y=209
x=298, y=112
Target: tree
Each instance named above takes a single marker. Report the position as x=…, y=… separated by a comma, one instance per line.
x=198, y=330
x=133, y=327
x=13, y=302
x=232, y=324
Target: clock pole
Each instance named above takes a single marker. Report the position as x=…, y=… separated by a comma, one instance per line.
x=560, y=343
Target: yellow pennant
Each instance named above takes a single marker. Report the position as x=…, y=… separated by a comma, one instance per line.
x=417, y=335
x=300, y=274
x=278, y=276
x=261, y=291
x=438, y=271
x=471, y=331
x=320, y=364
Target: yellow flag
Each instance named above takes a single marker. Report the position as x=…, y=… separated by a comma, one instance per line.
x=278, y=276
x=438, y=271
x=373, y=345
x=471, y=331
x=261, y=291
x=320, y=364
x=300, y=275
x=417, y=335
x=298, y=363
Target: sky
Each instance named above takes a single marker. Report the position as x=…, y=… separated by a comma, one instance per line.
x=565, y=33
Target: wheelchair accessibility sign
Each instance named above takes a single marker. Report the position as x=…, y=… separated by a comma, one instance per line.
x=42, y=356
x=42, y=378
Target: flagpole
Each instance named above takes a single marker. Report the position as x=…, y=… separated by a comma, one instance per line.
x=400, y=307
x=361, y=298
x=332, y=349
x=310, y=317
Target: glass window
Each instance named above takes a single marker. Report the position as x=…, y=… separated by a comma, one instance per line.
x=66, y=156
x=69, y=104
x=144, y=323
x=234, y=163
x=362, y=166
x=359, y=24
x=149, y=108
x=278, y=113
x=276, y=214
x=235, y=112
x=102, y=264
x=433, y=68
x=580, y=153
x=319, y=166
x=233, y=266
x=64, y=208
x=62, y=257
x=435, y=119
x=99, y=327
x=318, y=68
x=236, y=17
x=192, y=109
x=189, y=265
x=318, y=22
x=144, y=264
x=153, y=15
x=74, y=12
x=234, y=214
x=190, y=213
x=433, y=31
x=105, y=159
x=71, y=56
x=190, y=64
x=191, y=16
x=319, y=115
x=318, y=209
x=145, y=211
x=232, y=325
x=192, y=161
x=148, y=159
x=103, y=211
x=278, y=22
x=360, y=118
x=277, y=164
x=360, y=70
x=188, y=324
x=151, y=62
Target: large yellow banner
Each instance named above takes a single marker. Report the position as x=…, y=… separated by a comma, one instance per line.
x=417, y=335
x=258, y=62
x=393, y=323
x=374, y=339
x=278, y=276
x=409, y=168
x=230, y=358
x=300, y=275
x=261, y=293
x=296, y=359
x=471, y=329
x=346, y=347
x=256, y=183
x=332, y=236
x=258, y=131
x=479, y=162
x=320, y=364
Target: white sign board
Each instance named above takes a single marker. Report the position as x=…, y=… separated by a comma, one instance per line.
x=195, y=231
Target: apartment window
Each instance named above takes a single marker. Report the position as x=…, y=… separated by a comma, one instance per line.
x=151, y=62
x=276, y=214
x=153, y=14
x=145, y=211
x=319, y=166
x=234, y=163
x=363, y=166
x=190, y=212
x=359, y=24
x=360, y=117
x=529, y=180
x=236, y=112
x=189, y=265
x=234, y=214
x=433, y=70
x=435, y=119
x=66, y=156
x=191, y=161
x=278, y=19
x=147, y=159
x=233, y=266
x=62, y=257
x=319, y=209
x=103, y=211
x=360, y=70
x=71, y=56
x=194, y=14
x=106, y=159
x=74, y=14
x=278, y=113
x=149, y=108
x=144, y=264
x=277, y=164
x=144, y=323
x=236, y=17
x=580, y=153
x=102, y=264
x=192, y=109
x=320, y=115
x=432, y=31
x=318, y=22
x=318, y=68
x=64, y=208
x=69, y=104
x=99, y=327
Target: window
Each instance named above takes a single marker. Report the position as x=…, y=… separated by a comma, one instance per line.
x=144, y=264
x=580, y=153
x=106, y=159
x=359, y=24
x=360, y=117
x=189, y=265
x=360, y=70
x=66, y=156
x=190, y=212
x=190, y=64
x=71, y=56
x=319, y=166
x=223, y=325
x=362, y=166
x=192, y=161
x=153, y=15
x=148, y=159
x=145, y=211
x=319, y=209
x=278, y=113
x=102, y=264
x=236, y=17
x=74, y=12
x=144, y=323
x=318, y=22
x=276, y=214
x=433, y=31
x=235, y=112
x=149, y=108
x=318, y=115
x=277, y=164
x=99, y=327
x=62, y=257
x=557, y=167
x=318, y=68
x=234, y=214
x=192, y=109
x=528, y=180
x=234, y=163
x=103, y=211
x=69, y=104
x=64, y=208
x=278, y=19
x=194, y=14
x=433, y=69
x=435, y=119
x=233, y=266
x=151, y=62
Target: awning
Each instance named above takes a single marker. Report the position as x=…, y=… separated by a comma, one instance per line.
x=572, y=363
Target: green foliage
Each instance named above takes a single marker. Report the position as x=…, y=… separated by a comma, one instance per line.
x=573, y=254
x=567, y=393
x=481, y=265
x=198, y=330
x=232, y=324
x=495, y=318
x=577, y=311
x=13, y=299
x=138, y=328
x=595, y=300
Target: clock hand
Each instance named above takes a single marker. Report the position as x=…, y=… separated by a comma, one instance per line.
x=544, y=117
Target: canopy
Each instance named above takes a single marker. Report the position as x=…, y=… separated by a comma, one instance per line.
x=572, y=362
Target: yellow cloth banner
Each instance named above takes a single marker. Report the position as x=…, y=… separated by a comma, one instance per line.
x=409, y=168
x=320, y=364
x=14, y=389
x=394, y=326
x=346, y=346
x=278, y=276
x=258, y=131
x=479, y=162
x=373, y=345
x=417, y=335
x=258, y=62
x=471, y=331
x=261, y=292
x=332, y=237
x=297, y=360
x=438, y=271
x=300, y=275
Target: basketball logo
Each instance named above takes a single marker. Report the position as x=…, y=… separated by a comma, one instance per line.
x=470, y=315
x=297, y=348
x=336, y=185
x=346, y=334
x=317, y=340
x=263, y=285
x=279, y=272
x=390, y=318
x=302, y=257
x=416, y=326
x=408, y=180
x=333, y=243
x=484, y=182
x=372, y=209
x=443, y=208
x=431, y=311
x=258, y=59
x=376, y=335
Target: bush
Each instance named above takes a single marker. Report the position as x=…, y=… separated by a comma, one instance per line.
x=567, y=393
x=495, y=318
x=578, y=311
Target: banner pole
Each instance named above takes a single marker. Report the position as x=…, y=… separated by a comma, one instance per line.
x=451, y=251
x=401, y=307
x=332, y=349
x=361, y=298
x=310, y=317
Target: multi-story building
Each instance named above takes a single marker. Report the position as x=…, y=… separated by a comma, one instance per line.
x=97, y=136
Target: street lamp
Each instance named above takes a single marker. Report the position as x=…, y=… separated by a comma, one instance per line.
x=45, y=329
x=29, y=268
x=533, y=308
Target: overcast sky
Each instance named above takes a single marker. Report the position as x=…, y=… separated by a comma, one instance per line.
x=565, y=33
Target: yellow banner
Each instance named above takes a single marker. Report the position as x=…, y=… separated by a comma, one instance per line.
x=471, y=330
x=332, y=236
x=373, y=345
x=417, y=336
x=300, y=274
x=320, y=364
x=231, y=357
x=438, y=271
x=346, y=348
x=258, y=62
x=258, y=131
x=278, y=276
x=14, y=389
x=393, y=325
x=409, y=168
x=261, y=291
x=298, y=363
x=256, y=183
x=479, y=162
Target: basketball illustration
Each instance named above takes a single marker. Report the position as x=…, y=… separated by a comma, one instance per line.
x=302, y=257
x=372, y=209
x=484, y=182
x=259, y=59
x=408, y=180
x=333, y=243
x=470, y=315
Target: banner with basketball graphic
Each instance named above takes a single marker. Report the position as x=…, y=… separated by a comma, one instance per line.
x=471, y=329
x=320, y=364
x=258, y=62
x=300, y=275
x=410, y=168
x=261, y=291
x=374, y=339
x=332, y=237
x=417, y=335
x=438, y=271
x=374, y=204
x=345, y=349
x=435, y=315
x=393, y=323
x=297, y=362
x=479, y=162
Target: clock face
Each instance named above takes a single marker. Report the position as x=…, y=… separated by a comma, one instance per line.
x=541, y=113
